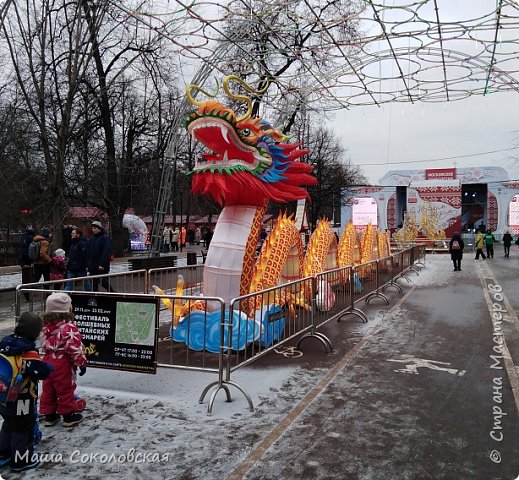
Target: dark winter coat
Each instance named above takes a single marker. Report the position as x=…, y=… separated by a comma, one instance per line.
x=99, y=249
x=25, y=240
x=77, y=256
x=32, y=369
x=456, y=254
x=507, y=239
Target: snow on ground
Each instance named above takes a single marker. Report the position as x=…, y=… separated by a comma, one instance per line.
x=159, y=419
x=437, y=271
x=151, y=426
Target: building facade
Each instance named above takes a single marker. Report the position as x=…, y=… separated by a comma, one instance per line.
x=456, y=199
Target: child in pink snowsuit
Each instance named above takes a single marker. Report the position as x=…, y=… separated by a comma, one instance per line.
x=58, y=267
x=63, y=349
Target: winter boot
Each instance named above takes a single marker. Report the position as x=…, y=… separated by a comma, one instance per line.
x=51, y=419
x=27, y=466
x=72, y=419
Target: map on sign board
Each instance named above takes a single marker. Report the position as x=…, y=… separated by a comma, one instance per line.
x=135, y=323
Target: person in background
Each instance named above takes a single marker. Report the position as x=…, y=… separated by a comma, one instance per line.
x=166, y=239
x=507, y=242
x=99, y=251
x=175, y=234
x=208, y=236
x=489, y=243
x=198, y=235
x=58, y=267
x=480, y=243
x=191, y=236
x=183, y=234
x=42, y=265
x=77, y=261
x=456, y=247
x=25, y=240
x=66, y=239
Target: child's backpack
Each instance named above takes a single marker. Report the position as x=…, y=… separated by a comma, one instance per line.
x=11, y=378
x=33, y=251
x=455, y=245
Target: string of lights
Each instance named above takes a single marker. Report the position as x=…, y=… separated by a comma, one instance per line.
x=403, y=51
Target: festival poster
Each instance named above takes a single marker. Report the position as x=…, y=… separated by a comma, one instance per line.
x=119, y=333
x=442, y=200
x=514, y=213
x=364, y=212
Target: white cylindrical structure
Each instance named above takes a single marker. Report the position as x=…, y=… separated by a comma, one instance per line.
x=224, y=262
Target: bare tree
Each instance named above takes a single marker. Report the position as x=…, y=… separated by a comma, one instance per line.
x=98, y=89
x=333, y=172
x=126, y=88
x=290, y=49
x=20, y=182
x=46, y=41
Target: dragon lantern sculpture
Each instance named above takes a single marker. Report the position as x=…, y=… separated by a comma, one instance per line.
x=247, y=163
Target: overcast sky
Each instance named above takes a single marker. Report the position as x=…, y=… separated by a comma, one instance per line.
x=404, y=136
x=429, y=131
x=423, y=132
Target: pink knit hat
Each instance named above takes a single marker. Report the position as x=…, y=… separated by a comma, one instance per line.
x=58, y=302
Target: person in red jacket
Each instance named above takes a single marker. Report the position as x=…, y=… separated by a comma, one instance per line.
x=63, y=349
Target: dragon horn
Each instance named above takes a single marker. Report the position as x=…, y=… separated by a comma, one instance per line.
x=192, y=86
x=236, y=96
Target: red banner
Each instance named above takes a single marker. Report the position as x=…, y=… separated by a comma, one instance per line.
x=440, y=174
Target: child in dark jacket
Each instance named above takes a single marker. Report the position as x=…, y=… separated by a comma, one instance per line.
x=17, y=433
x=63, y=349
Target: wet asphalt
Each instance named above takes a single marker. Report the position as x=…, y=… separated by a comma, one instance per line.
x=425, y=392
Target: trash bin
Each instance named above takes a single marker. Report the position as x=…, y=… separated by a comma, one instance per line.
x=191, y=258
x=27, y=274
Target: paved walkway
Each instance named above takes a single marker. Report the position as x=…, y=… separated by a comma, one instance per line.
x=430, y=392
x=427, y=389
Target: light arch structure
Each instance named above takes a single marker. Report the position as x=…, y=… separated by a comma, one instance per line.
x=404, y=51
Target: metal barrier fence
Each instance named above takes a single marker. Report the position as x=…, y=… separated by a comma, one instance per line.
x=272, y=317
x=35, y=293
x=297, y=309
x=203, y=334
x=192, y=336
x=167, y=279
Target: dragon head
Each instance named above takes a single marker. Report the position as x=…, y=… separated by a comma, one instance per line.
x=246, y=162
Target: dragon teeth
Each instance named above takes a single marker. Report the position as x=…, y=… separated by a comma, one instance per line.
x=225, y=133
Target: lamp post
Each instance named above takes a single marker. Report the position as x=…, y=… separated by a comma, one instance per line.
x=181, y=243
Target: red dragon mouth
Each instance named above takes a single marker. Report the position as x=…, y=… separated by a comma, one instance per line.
x=226, y=150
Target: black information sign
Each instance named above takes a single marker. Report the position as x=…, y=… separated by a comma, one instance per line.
x=118, y=333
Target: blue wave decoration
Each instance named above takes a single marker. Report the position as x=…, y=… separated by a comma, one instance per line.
x=201, y=331
x=272, y=325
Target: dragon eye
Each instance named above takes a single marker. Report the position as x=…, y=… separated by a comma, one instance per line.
x=246, y=132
